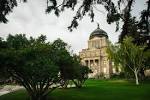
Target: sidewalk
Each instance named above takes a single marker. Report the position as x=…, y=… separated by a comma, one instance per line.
x=9, y=88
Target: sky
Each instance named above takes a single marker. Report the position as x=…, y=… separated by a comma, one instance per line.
x=30, y=19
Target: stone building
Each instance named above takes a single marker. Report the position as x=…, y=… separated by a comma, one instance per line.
x=95, y=56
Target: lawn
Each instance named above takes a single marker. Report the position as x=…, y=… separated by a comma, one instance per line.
x=94, y=90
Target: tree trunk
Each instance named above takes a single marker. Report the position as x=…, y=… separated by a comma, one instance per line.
x=38, y=98
x=77, y=84
x=136, y=77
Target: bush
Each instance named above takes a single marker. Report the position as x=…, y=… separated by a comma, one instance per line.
x=120, y=75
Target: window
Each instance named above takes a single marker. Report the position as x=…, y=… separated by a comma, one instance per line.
x=96, y=62
x=91, y=63
x=86, y=62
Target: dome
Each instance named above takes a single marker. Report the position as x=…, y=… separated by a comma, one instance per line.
x=98, y=33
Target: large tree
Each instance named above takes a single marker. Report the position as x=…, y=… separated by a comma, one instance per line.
x=31, y=65
x=63, y=59
x=3, y=71
x=144, y=26
x=129, y=55
x=69, y=65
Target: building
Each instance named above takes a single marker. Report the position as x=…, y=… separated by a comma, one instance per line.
x=95, y=56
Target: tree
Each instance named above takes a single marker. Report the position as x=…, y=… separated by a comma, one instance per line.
x=144, y=20
x=17, y=41
x=79, y=72
x=128, y=55
x=63, y=59
x=5, y=8
x=147, y=55
x=31, y=65
x=144, y=26
x=4, y=76
x=80, y=75
x=37, y=65
x=69, y=66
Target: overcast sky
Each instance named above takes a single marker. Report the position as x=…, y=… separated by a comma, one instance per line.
x=30, y=19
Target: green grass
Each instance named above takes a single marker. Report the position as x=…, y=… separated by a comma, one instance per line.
x=94, y=90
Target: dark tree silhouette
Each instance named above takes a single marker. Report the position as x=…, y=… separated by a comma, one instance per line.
x=116, y=13
x=6, y=6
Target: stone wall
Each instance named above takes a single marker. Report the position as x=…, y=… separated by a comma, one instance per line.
x=95, y=57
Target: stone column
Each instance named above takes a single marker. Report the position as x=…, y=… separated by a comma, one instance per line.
x=101, y=64
x=89, y=64
x=98, y=66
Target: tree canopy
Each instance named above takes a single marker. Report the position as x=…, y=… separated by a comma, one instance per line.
x=69, y=66
x=38, y=65
x=30, y=64
x=129, y=55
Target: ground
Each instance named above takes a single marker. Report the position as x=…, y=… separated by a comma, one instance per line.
x=94, y=90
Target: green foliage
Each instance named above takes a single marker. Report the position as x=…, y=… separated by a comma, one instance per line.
x=37, y=65
x=144, y=19
x=69, y=66
x=79, y=72
x=31, y=64
x=4, y=76
x=128, y=55
x=147, y=55
x=17, y=41
x=62, y=59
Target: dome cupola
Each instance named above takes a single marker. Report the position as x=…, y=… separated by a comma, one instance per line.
x=98, y=33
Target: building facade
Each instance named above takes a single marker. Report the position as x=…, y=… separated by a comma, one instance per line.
x=95, y=56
